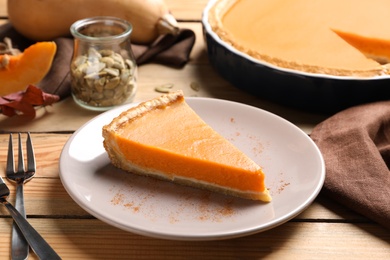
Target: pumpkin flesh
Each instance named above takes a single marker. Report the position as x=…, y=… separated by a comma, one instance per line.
x=28, y=67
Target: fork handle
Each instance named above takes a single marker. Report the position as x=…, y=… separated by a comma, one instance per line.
x=38, y=244
x=19, y=200
x=20, y=249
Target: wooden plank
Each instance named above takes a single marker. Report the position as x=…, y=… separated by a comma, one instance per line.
x=47, y=184
x=47, y=147
x=93, y=239
x=47, y=197
x=3, y=8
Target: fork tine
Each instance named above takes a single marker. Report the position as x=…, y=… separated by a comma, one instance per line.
x=20, y=155
x=10, y=158
x=30, y=154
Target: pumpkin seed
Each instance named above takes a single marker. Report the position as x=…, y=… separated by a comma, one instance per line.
x=103, y=78
x=164, y=88
x=195, y=86
x=5, y=61
x=112, y=72
x=93, y=54
x=108, y=61
x=92, y=75
x=112, y=83
x=80, y=60
x=7, y=48
x=130, y=64
x=118, y=65
x=106, y=52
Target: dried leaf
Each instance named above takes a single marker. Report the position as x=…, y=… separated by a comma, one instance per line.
x=23, y=102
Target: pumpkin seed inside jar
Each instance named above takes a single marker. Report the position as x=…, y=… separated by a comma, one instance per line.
x=103, y=69
x=103, y=78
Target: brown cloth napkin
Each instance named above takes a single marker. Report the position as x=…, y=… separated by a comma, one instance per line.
x=355, y=144
x=170, y=50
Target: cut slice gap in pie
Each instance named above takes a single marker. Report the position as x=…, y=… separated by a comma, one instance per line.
x=373, y=48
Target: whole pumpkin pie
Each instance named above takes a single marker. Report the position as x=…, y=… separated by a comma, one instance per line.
x=343, y=38
x=165, y=138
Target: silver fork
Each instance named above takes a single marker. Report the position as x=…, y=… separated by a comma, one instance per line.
x=38, y=244
x=19, y=248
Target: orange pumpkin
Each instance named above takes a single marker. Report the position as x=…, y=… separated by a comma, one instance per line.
x=28, y=67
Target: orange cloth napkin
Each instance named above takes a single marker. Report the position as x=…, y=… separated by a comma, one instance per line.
x=355, y=144
x=167, y=50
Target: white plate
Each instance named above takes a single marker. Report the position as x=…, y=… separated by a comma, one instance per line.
x=293, y=164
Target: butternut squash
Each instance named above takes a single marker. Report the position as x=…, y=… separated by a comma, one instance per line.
x=28, y=67
x=45, y=20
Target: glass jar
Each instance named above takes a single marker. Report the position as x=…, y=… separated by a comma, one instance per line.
x=103, y=68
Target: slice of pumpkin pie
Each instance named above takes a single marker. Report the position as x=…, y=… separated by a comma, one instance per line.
x=165, y=138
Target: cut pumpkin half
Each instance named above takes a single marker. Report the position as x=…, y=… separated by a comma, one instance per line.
x=28, y=67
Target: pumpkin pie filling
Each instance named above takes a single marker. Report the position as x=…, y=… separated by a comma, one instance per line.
x=166, y=139
x=301, y=34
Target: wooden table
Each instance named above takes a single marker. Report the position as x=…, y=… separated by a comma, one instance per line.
x=326, y=230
